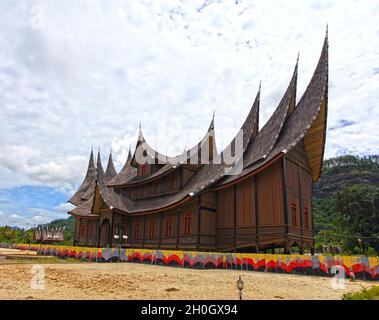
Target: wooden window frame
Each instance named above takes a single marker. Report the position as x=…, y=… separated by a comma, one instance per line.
x=294, y=214
x=83, y=230
x=152, y=228
x=170, y=226
x=306, y=218
x=92, y=230
x=136, y=230
x=188, y=225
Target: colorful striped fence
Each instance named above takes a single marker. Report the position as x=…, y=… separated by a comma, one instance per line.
x=360, y=267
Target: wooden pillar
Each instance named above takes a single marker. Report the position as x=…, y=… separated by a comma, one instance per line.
x=198, y=223
x=121, y=231
x=160, y=230
x=256, y=212
x=144, y=231
x=311, y=213
x=87, y=227
x=111, y=231
x=234, y=217
x=177, y=228
x=75, y=235
x=301, y=209
x=284, y=186
x=130, y=230
x=99, y=232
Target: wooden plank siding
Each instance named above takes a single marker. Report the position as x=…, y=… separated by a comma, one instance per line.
x=254, y=213
x=299, y=195
x=225, y=219
x=270, y=196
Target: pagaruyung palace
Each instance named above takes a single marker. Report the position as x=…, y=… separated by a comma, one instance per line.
x=253, y=196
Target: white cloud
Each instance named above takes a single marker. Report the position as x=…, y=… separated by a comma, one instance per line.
x=64, y=207
x=96, y=69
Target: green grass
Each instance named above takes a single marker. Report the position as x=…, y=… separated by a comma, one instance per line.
x=365, y=294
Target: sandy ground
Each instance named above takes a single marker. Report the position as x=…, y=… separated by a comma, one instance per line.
x=140, y=281
x=4, y=251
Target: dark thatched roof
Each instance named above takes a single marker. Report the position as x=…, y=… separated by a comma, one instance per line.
x=111, y=172
x=76, y=199
x=288, y=126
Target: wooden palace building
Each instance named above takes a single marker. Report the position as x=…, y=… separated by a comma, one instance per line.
x=261, y=201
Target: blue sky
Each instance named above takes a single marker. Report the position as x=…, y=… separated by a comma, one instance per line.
x=79, y=73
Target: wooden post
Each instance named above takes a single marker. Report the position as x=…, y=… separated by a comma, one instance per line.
x=99, y=232
x=111, y=231
x=177, y=227
x=301, y=208
x=234, y=217
x=256, y=212
x=284, y=186
x=144, y=231
x=130, y=230
x=160, y=230
x=87, y=225
x=198, y=223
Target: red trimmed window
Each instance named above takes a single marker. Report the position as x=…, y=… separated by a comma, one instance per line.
x=152, y=230
x=92, y=230
x=170, y=223
x=143, y=170
x=294, y=215
x=187, y=225
x=136, y=230
x=306, y=218
x=83, y=230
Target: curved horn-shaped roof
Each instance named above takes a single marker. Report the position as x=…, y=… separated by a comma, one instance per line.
x=126, y=174
x=269, y=134
x=110, y=198
x=84, y=209
x=111, y=172
x=307, y=121
x=76, y=199
x=99, y=166
x=99, y=174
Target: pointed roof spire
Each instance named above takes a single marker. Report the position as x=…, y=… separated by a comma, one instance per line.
x=89, y=178
x=111, y=171
x=99, y=166
x=129, y=154
x=126, y=173
x=269, y=134
x=250, y=126
x=212, y=125
x=140, y=134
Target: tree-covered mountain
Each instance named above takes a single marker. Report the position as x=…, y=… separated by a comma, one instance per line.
x=346, y=204
x=18, y=235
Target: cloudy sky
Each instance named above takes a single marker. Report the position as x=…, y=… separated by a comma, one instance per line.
x=79, y=73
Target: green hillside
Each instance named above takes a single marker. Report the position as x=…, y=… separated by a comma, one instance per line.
x=17, y=235
x=346, y=204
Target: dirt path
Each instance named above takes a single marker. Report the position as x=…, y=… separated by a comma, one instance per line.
x=139, y=281
x=5, y=251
